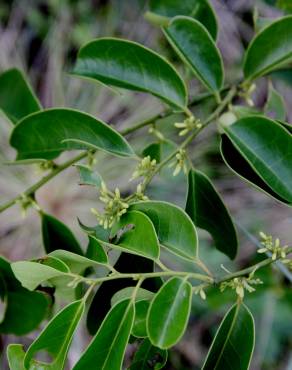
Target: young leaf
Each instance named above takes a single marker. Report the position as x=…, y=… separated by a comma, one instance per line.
x=106, y=350
x=169, y=313
x=138, y=235
x=233, y=344
x=56, y=235
x=129, y=65
x=95, y=251
x=174, y=228
x=56, y=337
x=32, y=274
x=126, y=293
x=207, y=210
x=198, y=9
x=275, y=105
x=88, y=177
x=274, y=42
x=76, y=263
x=17, y=99
x=48, y=133
x=238, y=164
x=15, y=356
x=148, y=356
x=267, y=147
x=194, y=45
x=18, y=319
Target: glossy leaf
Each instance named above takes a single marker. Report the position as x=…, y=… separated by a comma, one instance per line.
x=194, y=45
x=198, y=9
x=270, y=49
x=169, y=313
x=238, y=164
x=129, y=65
x=207, y=210
x=57, y=235
x=106, y=350
x=148, y=356
x=88, y=176
x=76, y=263
x=32, y=274
x=126, y=293
x=48, y=133
x=15, y=356
x=139, y=329
x=17, y=99
x=18, y=319
x=126, y=263
x=233, y=344
x=267, y=147
x=138, y=235
x=56, y=337
x=275, y=105
x=173, y=226
x=95, y=251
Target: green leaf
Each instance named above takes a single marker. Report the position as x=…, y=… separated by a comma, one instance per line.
x=106, y=350
x=267, y=147
x=17, y=99
x=95, y=251
x=127, y=293
x=15, y=356
x=169, y=313
x=275, y=105
x=233, y=344
x=3, y=297
x=132, y=66
x=237, y=163
x=56, y=337
x=274, y=42
x=159, y=150
x=18, y=319
x=138, y=235
x=32, y=274
x=88, y=176
x=48, y=133
x=207, y=210
x=148, y=356
x=198, y=9
x=76, y=263
x=174, y=228
x=56, y=235
x=194, y=45
x=139, y=329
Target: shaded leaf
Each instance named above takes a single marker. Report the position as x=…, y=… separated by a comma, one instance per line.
x=88, y=176
x=48, y=133
x=148, y=356
x=274, y=42
x=129, y=65
x=207, y=210
x=173, y=226
x=267, y=147
x=233, y=344
x=127, y=293
x=56, y=235
x=95, y=251
x=194, y=45
x=198, y=9
x=139, y=329
x=106, y=350
x=169, y=313
x=17, y=99
x=3, y=297
x=275, y=105
x=238, y=164
x=56, y=337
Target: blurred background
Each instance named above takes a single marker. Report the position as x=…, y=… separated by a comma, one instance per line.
x=42, y=39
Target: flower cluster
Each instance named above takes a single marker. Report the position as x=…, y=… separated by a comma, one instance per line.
x=180, y=162
x=272, y=246
x=189, y=124
x=114, y=207
x=139, y=195
x=199, y=289
x=246, y=94
x=241, y=284
x=144, y=168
